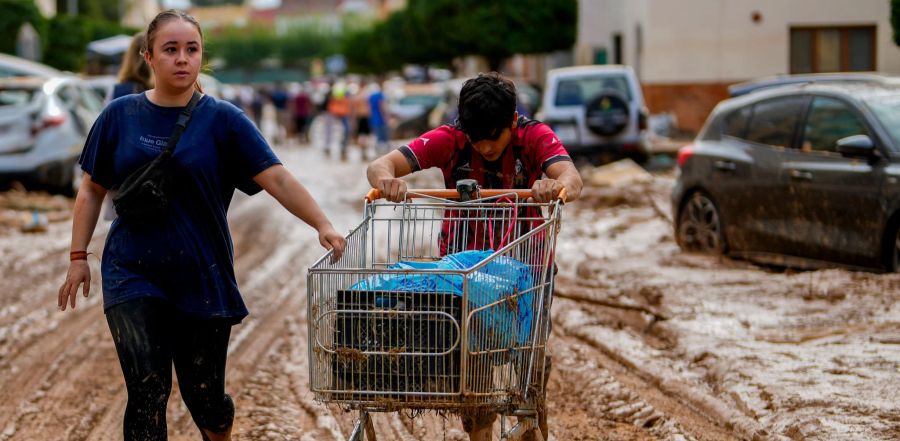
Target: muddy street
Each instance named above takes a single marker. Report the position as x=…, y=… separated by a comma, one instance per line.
x=649, y=343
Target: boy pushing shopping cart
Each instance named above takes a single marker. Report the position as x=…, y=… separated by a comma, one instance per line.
x=416, y=318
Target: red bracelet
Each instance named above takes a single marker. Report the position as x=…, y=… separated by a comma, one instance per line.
x=78, y=255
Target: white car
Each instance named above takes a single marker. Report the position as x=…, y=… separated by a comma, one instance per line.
x=12, y=66
x=43, y=125
x=597, y=112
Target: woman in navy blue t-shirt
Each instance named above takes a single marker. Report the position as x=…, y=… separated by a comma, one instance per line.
x=169, y=290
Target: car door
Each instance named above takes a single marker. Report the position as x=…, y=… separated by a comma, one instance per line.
x=771, y=133
x=835, y=199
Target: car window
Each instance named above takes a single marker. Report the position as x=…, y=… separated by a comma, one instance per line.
x=830, y=120
x=887, y=109
x=15, y=97
x=735, y=123
x=576, y=91
x=91, y=100
x=69, y=96
x=774, y=121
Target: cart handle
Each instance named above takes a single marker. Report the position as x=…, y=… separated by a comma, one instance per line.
x=375, y=194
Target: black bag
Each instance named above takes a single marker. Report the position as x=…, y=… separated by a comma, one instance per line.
x=146, y=193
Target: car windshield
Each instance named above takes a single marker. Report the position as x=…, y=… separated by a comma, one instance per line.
x=576, y=91
x=887, y=110
x=15, y=96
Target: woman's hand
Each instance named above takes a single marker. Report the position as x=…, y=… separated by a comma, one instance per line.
x=332, y=240
x=79, y=273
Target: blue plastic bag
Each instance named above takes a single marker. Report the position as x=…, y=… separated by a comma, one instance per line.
x=496, y=326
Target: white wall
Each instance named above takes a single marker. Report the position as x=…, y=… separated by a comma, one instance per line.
x=716, y=41
x=702, y=41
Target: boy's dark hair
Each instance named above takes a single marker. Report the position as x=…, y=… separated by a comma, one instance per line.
x=487, y=104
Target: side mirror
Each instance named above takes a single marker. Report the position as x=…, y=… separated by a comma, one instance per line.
x=856, y=146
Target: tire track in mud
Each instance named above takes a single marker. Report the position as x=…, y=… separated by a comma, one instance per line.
x=40, y=347
x=682, y=413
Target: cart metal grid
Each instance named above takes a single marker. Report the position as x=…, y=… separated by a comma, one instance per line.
x=415, y=348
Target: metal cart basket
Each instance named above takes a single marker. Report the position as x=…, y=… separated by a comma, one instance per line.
x=390, y=329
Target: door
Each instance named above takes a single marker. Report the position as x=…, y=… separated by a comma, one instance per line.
x=770, y=134
x=835, y=199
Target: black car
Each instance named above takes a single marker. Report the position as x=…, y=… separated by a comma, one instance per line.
x=795, y=176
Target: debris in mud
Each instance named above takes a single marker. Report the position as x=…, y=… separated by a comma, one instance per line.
x=618, y=173
x=31, y=212
x=350, y=354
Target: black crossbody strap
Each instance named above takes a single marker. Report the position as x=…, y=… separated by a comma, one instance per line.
x=182, y=122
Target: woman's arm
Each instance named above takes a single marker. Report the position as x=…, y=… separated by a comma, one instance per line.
x=291, y=194
x=84, y=220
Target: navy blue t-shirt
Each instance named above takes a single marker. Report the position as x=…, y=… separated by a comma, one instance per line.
x=188, y=258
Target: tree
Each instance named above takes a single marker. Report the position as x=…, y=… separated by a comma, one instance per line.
x=98, y=9
x=301, y=44
x=243, y=48
x=895, y=20
x=15, y=14
x=436, y=31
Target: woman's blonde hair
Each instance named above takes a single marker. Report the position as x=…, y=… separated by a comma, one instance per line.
x=134, y=68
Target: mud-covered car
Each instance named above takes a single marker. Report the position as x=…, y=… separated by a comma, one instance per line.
x=43, y=125
x=796, y=176
x=598, y=112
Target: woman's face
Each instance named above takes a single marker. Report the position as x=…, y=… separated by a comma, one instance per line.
x=176, y=55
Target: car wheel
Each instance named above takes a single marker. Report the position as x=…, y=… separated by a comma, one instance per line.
x=607, y=113
x=893, y=249
x=700, y=226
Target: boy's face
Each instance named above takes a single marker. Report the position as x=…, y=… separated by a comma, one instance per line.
x=491, y=149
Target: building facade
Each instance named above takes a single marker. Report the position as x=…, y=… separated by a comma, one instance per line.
x=686, y=52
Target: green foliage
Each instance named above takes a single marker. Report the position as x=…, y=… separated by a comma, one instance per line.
x=15, y=13
x=436, y=31
x=895, y=20
x=243, y=48
x=246, y=48
x=66, y=40
x=68, y=36
x=202, y=3
x=302, y=44
x=97, y=9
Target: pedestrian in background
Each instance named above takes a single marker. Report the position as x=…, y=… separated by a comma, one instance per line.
x=279, y=98
x=339, y=110
x=134, y=74
x=359, y=104
x=302, y=108
x=169, y=289
x=378, y=119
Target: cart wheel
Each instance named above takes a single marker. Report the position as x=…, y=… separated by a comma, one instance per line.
x=363, y=427
x=370, y=429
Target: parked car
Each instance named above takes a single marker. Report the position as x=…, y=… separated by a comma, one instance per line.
x=597, y=111
x=12, y=66
x=411, y=108
x=43, y=125
x=796, y=175
x=784, y=80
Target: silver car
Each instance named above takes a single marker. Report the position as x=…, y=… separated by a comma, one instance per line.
x=597, y=112
x=43, y=125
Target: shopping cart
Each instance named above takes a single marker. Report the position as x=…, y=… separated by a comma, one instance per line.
x=437, y=304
